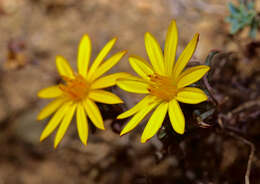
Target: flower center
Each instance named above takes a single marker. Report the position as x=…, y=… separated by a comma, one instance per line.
x=76, y=88
x=162, y=87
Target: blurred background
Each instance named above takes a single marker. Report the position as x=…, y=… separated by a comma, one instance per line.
x=33, y=32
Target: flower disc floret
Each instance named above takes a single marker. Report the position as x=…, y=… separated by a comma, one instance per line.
x=76, y=89
x=162, y=87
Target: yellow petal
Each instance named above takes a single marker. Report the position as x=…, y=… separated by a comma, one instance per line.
x=50, y=108
x=176, y=117
x=140, y=66
x=54, y=122
x=63, y=67
x=84, y=54
x=170, y=48
x=154, y=53
x=50, y=92
x=94, y=113
x=104, y=97
x=133, y=86
x=102, y=54
x=146, y=101
x=64, y=125
x=155, y=122
x=108, y=64
x=191, y=75
x=185, y=56
x=82, y=124
x=191, y=95
x=138, y=117
x=109, y=80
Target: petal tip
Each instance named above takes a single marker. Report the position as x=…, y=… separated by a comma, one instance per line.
x=42, y=138
x=122, y=133
x=55, y=145
x=173, y=21
x=39, y=117
x=172, y=24
x=115, y=39
x=84, y=142
x=102, y=128
x=132, y=57
x=39, y=94
x=147, y=35
x=119, y=117
x=197, y=36
x=143, y=140
x=124, y=52
x=208, y=68
x=58, y=57
x=85, y=36
x=180, y=132
x=120, y=101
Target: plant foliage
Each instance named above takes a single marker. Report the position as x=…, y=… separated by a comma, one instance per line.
x=243, y=15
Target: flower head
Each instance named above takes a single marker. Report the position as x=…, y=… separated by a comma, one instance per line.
x=79, y=92
x=165, y=83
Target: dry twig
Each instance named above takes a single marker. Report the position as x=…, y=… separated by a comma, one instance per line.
x=251, y=155
x=245, y=141
x=244, y=106
x=210, y=89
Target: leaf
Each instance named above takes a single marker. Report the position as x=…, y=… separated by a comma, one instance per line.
x=251, y=5
x=235, y=28
x=206, y=114
x=229, y=19
x=253, y=30
x=210, y=57
x=232, y=8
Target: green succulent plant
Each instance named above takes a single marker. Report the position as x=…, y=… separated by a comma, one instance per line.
x=243, y=15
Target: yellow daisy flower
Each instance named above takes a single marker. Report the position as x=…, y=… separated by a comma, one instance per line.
x=164, y=82
x=79, y=92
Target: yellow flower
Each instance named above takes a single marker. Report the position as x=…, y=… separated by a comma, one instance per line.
x=164, y=82
x=79, y=92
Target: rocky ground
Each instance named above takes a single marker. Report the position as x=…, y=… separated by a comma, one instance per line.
x=33, y=32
